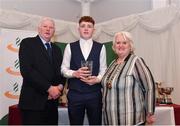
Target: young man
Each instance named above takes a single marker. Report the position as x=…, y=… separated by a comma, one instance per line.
x=40, y=63
x=84, y=93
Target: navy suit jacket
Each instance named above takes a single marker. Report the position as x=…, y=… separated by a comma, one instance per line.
x=38, y=73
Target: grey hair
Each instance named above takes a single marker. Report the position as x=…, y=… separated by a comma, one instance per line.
x=46, y=19
x=127, y=37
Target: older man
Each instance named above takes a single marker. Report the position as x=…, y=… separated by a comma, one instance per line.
x=40, y=62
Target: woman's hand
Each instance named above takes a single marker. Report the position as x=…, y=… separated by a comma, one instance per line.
x=150, y=119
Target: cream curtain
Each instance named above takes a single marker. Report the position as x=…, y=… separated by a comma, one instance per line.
x=156, y=37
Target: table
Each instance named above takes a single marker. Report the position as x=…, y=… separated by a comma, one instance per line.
x=165, y=115
x=14, y=117
x=176, y=111
x=64, y=118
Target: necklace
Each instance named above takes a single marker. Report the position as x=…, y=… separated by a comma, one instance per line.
x=112, y=73
x=119, y=61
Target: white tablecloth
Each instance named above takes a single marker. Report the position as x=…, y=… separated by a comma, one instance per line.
x=63, y=116
x=164, y=116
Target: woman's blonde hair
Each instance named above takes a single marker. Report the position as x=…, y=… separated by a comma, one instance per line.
x=127, y=37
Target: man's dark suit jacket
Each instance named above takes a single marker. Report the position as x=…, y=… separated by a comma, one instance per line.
x=38, y=73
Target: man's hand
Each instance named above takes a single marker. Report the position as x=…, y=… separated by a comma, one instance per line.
x=60, y=87
x=82, y=73
x=54, y=92
x=91, y=80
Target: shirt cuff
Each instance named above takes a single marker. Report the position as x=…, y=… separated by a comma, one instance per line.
x=60, y=87
x=69, y=74
x=99, y=77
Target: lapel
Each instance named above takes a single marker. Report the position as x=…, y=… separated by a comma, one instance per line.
x=90, y=53
x=56, y=56
x=79, y=48
x=91, y=50
x=53, y=52
x=42, y=48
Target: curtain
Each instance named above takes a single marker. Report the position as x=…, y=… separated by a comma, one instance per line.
x=156, y=36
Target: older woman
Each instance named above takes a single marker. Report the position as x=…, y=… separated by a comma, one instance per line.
x=128, y=86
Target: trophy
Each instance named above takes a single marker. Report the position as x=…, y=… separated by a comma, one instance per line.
x=164, y=94
x=89, y=64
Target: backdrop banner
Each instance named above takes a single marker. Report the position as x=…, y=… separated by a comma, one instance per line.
x=10, y=77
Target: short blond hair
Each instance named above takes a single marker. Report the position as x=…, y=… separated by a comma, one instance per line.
x=127, y=37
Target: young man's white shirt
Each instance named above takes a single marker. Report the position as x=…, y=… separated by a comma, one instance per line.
x=86, y=46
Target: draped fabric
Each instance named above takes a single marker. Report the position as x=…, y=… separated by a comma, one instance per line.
x=156, y=36
x=156, y=21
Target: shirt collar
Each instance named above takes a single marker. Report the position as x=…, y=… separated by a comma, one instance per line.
x=82, y=41
x=43, y=41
